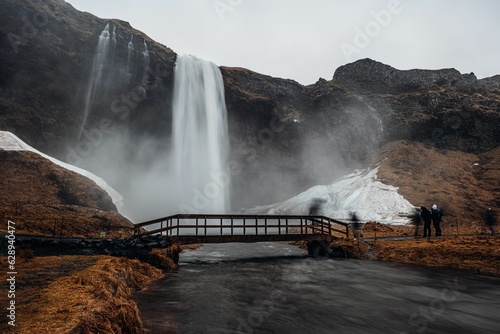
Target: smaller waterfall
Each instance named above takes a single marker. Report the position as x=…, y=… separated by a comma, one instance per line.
x=130, y=48
x=130, y=51
x=113, y=36
x=146, y=54
x=96, y=74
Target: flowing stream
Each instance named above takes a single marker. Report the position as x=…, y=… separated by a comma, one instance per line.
x=276, y=288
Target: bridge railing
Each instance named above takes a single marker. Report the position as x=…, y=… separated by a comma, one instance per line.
x=241, y=225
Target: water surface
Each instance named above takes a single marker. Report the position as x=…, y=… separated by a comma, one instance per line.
x=276, y=288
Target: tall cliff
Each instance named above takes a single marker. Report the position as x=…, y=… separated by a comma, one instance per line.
x=284, y=136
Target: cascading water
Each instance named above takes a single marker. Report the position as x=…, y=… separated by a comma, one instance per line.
x=96, y=74
x=130, y=50
x=113, y=36
x=200, y=137
x=146, y=53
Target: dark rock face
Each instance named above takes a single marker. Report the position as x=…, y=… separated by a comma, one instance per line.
x=371, y=77
x=333, y=124
x=47, y=52
x=284, y=136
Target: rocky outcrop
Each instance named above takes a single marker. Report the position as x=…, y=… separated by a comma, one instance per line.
x=284, y=136
x=442, y=108
x=373, y=77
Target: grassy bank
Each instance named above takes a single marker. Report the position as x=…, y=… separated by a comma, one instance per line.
x=78, y=294
x=478, y=254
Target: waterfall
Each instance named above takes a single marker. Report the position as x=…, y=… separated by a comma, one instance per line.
x=96, y=74
x=200, y=137
x=130, y=50
x=145, y=53
x=113, y=36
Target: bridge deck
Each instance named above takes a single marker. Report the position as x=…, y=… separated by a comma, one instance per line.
x=207, y=239
x=190, y=228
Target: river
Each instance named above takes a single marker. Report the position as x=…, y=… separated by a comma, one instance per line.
x=276, y=288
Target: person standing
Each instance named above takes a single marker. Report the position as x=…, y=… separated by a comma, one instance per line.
x=437, y=216
x=356, y=226
x=415, y=217
x=316, y=207
x=490, y=220
x=427, y=217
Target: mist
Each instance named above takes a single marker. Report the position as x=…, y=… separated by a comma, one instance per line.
x=180, y=172
x=169, y=149
x=291, y=157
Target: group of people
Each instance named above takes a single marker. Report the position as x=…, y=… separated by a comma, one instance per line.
x=433, y=216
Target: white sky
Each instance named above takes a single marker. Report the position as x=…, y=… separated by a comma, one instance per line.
x=302, y=39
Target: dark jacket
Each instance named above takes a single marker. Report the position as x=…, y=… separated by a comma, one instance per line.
x=490, y=217
x=436, y=216
x=426, y=215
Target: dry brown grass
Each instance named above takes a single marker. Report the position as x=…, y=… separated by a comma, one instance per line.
x=43, y=198
x=79, y=294
x=462, y=184
x=56, y=220
x=479, y=254
x=450, y=227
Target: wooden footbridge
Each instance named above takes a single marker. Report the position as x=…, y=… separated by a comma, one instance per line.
x=214, y=228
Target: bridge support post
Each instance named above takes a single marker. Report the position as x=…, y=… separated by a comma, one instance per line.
x=319, y=249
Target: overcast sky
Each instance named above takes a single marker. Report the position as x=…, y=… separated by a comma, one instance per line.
x=304, y=40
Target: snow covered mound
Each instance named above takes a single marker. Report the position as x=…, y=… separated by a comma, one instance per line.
x=10, y=142
x=358, y=192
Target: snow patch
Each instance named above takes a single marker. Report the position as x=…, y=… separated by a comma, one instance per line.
x=10, y=142
x=358, y=192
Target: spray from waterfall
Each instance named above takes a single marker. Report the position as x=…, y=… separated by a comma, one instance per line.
x=96, y=74
x=200, y=137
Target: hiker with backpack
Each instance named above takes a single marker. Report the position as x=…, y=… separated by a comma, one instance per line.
x=437, y=216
